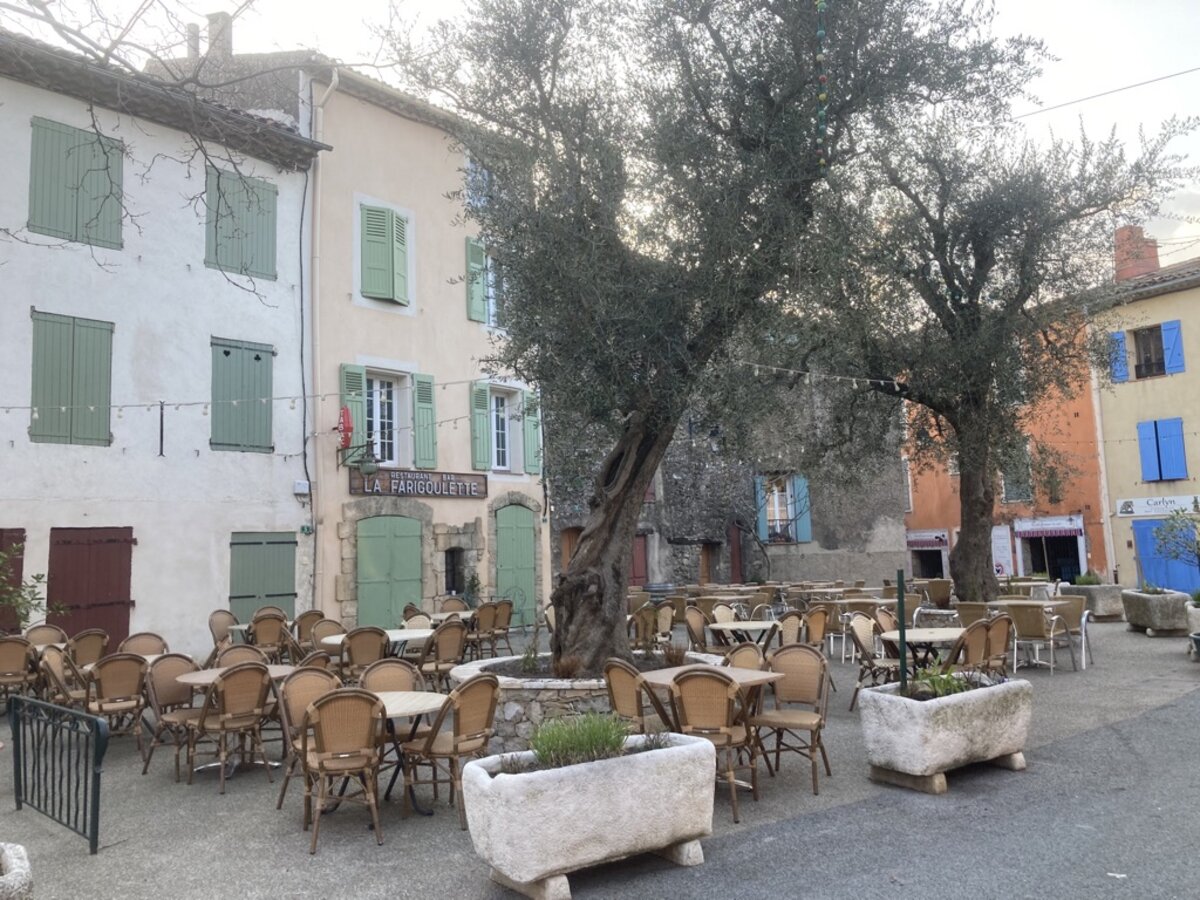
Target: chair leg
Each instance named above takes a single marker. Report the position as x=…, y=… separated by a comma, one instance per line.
x=320, y=805
x=256, y=739
x=456, y=791
x=287, y=777
x=732, y=784
x=150, y=753
x=221, y=754
x=370, y=786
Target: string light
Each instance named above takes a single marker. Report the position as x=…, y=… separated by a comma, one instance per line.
x=822, y=88
x=807, y=375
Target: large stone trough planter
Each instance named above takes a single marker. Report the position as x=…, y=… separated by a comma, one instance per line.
x=1104, y=600
x=16, y=878
x=1158, y=615
x=533, y=828
x=913, y=743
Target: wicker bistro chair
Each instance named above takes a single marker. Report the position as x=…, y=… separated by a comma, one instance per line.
x=269, y=610
x=302, y=626
x=267, y=631
x=238, y=654
x=482, y=635
x=1076, y=617
x=968, y=653
x=296, y=693
x=1000, y=630
x=791, y=627
x=746, y=655
x=219, y=623
x=886, y=619
x=87, y=647
x=723, y=612
x=340, y=739
x=362, y=647
x=443, y=651
x=323, y=629
x=664, y=619
x=504, y=614
x=171, y=703
x=42, y=634
x=709, y=705
x=972, y=612
x=17, y=674
x=61, y=682
x=1035, y=629
x=862, y=631
x=392, y=674
x=318, y=659
x=236, y=704
x=144, y=643
x=697, y=626
x=410, y=610
x=805, y=677
x=627, y=688
x=472, y=710
x=116, y=689
x=642, y=627
x=454, y=604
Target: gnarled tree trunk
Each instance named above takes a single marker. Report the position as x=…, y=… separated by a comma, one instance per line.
x=971, y=558
x=589, y=600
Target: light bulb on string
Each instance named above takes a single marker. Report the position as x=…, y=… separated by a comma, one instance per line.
x=204, y=411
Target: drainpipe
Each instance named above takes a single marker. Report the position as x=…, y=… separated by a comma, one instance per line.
x=318, y=485
x=1106, y=515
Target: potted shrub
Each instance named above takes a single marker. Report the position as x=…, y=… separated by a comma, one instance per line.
x=1155, y=611
x=944, y=722
x=1103, y=600
x=588, y=793
x=20, y=599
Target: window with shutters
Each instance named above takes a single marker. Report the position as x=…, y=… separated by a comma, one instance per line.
x=505, y=429
x=500, y=447
x=1161, y=448
x=393, y=415
x=75, y=184
x=241, y=396
x=783, y=508
x=383, y=396
x=485, y=285
x=1148, y=345
x=239, y=233
x=1157, y=351
x=72, y=380
x=385, y=239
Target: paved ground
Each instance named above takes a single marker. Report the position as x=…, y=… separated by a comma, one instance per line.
x=1108, y=807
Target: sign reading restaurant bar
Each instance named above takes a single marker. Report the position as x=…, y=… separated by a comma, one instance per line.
x=407, y=483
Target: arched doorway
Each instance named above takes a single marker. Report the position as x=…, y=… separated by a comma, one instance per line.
x=389, y=568
x=515, y=565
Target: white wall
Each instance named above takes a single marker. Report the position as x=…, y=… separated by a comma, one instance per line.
x=166, y=306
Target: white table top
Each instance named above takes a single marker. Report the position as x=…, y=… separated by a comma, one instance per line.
x=394, y=635
x=743, y=677
x=440, y=617
x=148, y=657
x=241, y=629
x=924, y=635
x=1042, y=604
x=751, y=625
x=207, y=676
x=398, y=704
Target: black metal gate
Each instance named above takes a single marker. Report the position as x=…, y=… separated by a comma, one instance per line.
x=57, y=755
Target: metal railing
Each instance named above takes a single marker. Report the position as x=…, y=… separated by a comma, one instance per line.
x=57, y=755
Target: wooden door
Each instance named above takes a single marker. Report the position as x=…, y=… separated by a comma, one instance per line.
x=262, y=572
x=88, y=580
x=10, y=538
x=515, y=567
x=569, y=540
x=389, y=569
x=708, y=562
x=734, y=537
x=638, y=563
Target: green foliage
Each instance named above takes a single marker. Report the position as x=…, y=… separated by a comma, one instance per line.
x=24, y=596
x=1178, y=539
x=930, y=684
x=1088, y=577
x=1196, y=597
x=1148, y=588
x=471, y=589
x=586, y=738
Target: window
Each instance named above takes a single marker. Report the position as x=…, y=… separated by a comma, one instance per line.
x=1148, y=346
x=391, y=414
x=783, y=508
x=239, y=233
x=1158, y=350
x=75, y=189
x=1016, y=480
x=1160, y=445
x=505, y=429
x=384, y=240
x=484, y=285
x=241, y=396
x=381, y=419
x=72, y=380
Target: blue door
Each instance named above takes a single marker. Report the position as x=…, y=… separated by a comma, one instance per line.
x=1157, y=569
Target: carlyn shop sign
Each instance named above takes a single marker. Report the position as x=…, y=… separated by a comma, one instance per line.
x=407, y=483
x=1159, y=506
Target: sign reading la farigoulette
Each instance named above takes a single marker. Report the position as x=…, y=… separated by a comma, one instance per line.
x=409, y=483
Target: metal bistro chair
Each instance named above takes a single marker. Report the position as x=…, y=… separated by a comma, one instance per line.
x=1035, y=629
x=805, y=676
x=627, y=688
x=296, y=693
x=171, y=703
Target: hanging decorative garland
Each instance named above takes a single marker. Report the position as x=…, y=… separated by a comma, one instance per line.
x=822, y=88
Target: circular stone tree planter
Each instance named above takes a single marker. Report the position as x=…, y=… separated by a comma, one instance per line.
x=1158, y=615
x=527, y=702
x=533, y=828
x=1103, y=600
x=16, y=878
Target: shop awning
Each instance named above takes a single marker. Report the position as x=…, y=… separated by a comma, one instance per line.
x=926, y=543
x=1048, y=532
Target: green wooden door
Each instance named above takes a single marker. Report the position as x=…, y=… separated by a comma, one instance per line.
x=389, y=568
x=262, y=572
x=514, y=561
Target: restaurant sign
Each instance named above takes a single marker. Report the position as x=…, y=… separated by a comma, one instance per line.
x=1159, y=506
x=408, y=483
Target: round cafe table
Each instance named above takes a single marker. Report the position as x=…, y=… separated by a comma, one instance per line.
x=205, y=677
x=924, y=640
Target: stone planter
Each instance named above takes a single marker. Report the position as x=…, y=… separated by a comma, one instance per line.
x=1194, y=647
x=1158, y=615
x=1192, y=612
x=1104, y=600
x=533, y=828
x=527, y=702
x=913, y=743
x=16, y=878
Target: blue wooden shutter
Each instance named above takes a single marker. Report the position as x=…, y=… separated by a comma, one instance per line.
x=481, y=429
x=476, y=281
x=400, y=259
x=760, y=505
x=1171, y=458
x=91, y=382
x=99, y=199
x=375, y=238
x=532, y=443
x=424, y=423
x=53, y=342
x=353, y=382
x=52, y=179
x=802, y=511
x=1172, y=346
x=1120, y=358
x=1148, y=451
x=242, y=379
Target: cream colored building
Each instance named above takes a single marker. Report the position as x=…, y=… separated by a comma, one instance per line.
x=1149, y=416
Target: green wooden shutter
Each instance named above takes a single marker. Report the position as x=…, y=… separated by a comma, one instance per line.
x=259, y=225
x=53, y=342
x=424, y=423
x=98, y=202
x=532, y=416
x=354, y=397
x=376, y=241
x=262, y=571
x=241, y=224
x=52, y=181
x=481, y=431
x=476, y=281
x=241, y=396
x=91, y=383
x=215, y=210
x=400, y=259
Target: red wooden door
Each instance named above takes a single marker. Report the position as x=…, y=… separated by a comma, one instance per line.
x=637, y=565
x=10, y=538
x=88, y=581
x=734, y=536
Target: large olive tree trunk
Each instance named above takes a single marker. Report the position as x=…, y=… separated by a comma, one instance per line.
x=971, y=558
x=589, y=600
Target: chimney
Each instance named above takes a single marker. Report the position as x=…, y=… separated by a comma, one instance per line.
x=220, y=35
x=193, y=41
x=1134, y=254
